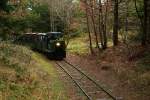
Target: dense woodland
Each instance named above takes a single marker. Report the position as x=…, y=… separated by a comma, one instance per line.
x=112, y=18
x=104, y=19
x=115, y=35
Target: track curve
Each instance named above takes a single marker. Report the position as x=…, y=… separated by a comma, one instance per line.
x=88, y=86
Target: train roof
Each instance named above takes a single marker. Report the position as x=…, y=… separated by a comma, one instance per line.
x=30, y=33
x=48, y=33
x=41, y=34
x=35, y=33
x=55, y=33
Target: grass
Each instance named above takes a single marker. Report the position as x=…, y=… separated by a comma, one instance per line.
x=57, y=87
x=78, y=45
x=25, y=75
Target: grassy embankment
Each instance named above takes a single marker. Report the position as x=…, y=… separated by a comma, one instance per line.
x=25, y=75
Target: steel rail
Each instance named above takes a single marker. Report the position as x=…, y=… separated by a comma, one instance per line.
x=100, y=87
x=83, y=91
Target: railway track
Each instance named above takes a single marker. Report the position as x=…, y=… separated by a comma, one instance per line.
x=88, y=86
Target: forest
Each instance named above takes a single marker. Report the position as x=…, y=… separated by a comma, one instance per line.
x=107, y=39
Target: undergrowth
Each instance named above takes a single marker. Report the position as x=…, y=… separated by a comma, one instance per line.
x=142, y=80
x=25, y=75
x=137, y=75
x=144, y=63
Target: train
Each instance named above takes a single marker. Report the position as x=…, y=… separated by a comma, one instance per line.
x=51, y=43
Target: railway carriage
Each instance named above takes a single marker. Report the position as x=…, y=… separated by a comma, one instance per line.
x=51, y=43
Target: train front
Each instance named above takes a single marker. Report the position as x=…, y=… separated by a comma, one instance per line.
x=56, y=44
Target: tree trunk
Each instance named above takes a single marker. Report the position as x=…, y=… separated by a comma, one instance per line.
x=94, y=26
x=144, y=35
x=146, y=28
x=101, y=23
x=105, y=26
x=89, y=33
x=115, y=27
x=148, y=21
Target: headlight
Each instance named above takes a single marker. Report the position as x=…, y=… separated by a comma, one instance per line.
x=57, y=44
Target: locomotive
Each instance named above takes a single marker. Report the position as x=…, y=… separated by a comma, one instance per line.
x=51, y=43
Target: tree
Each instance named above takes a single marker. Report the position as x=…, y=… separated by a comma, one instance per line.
x=96, y=15
x=3, y=5
x=60, y=9
x=103, y=10
x=88, y=26
x=116, y=23
x=144, y=38
x=146, y=30
x=148, y=20
x=142, y=9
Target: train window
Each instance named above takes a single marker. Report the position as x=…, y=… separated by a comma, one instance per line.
x=40, y=38
x=55, y=36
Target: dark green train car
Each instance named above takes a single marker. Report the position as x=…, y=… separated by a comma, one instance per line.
x=52, y=43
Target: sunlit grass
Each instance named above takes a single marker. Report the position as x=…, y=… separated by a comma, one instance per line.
x=78, y=45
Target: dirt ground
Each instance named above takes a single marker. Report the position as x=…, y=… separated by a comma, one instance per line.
x=112, y=69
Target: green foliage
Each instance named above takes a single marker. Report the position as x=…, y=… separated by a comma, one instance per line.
x=16, y=91
x=2, y=85
x=3, y=4
x=34, y=16
x=5, y=7
x=140, y=7
x=36, y=20
x=42, y=22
